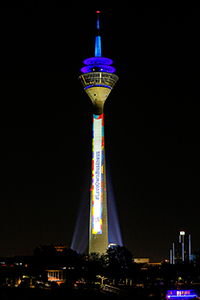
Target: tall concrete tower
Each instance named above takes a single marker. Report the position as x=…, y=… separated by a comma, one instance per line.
x=98, y=81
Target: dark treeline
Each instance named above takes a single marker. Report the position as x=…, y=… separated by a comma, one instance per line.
x=116, y=268
x=116, y=265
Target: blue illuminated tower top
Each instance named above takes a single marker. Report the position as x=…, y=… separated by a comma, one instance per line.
x=98, y=79
x=98, y=63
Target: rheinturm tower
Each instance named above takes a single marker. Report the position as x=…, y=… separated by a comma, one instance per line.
x=98, y=80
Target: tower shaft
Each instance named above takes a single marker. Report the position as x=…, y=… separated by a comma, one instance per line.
x=98, y=242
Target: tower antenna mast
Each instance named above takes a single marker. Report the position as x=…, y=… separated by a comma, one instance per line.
x=98, y=38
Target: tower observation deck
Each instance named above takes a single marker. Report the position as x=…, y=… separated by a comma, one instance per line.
x=98, y=80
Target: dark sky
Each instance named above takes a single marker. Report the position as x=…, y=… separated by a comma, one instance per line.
x=151, y=122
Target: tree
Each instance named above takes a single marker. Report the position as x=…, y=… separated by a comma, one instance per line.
x=47, y=256
x=93, y=266
x=119, y=261
x=70, y=258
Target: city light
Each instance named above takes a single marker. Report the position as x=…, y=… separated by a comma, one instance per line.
x=181, y=294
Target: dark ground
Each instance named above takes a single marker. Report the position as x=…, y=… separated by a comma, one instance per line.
x=30, y=294
x=154, y=293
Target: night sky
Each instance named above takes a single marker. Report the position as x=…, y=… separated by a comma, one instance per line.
x=151, y=122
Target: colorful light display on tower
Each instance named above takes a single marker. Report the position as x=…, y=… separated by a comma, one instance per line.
x=97, y=173
x=98, y=80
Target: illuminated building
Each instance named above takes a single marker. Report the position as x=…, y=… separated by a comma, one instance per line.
x=60, y=248
x=58, y=276
x=98, y=81
x=181, y=251
x=182, y=242
x=180, y=294
x=141, y=260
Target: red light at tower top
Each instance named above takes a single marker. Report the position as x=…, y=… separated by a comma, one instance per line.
x=98, y=12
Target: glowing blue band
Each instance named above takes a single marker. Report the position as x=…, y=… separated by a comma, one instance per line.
x=101, y=68
x=89, y=86
x=98, y=61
